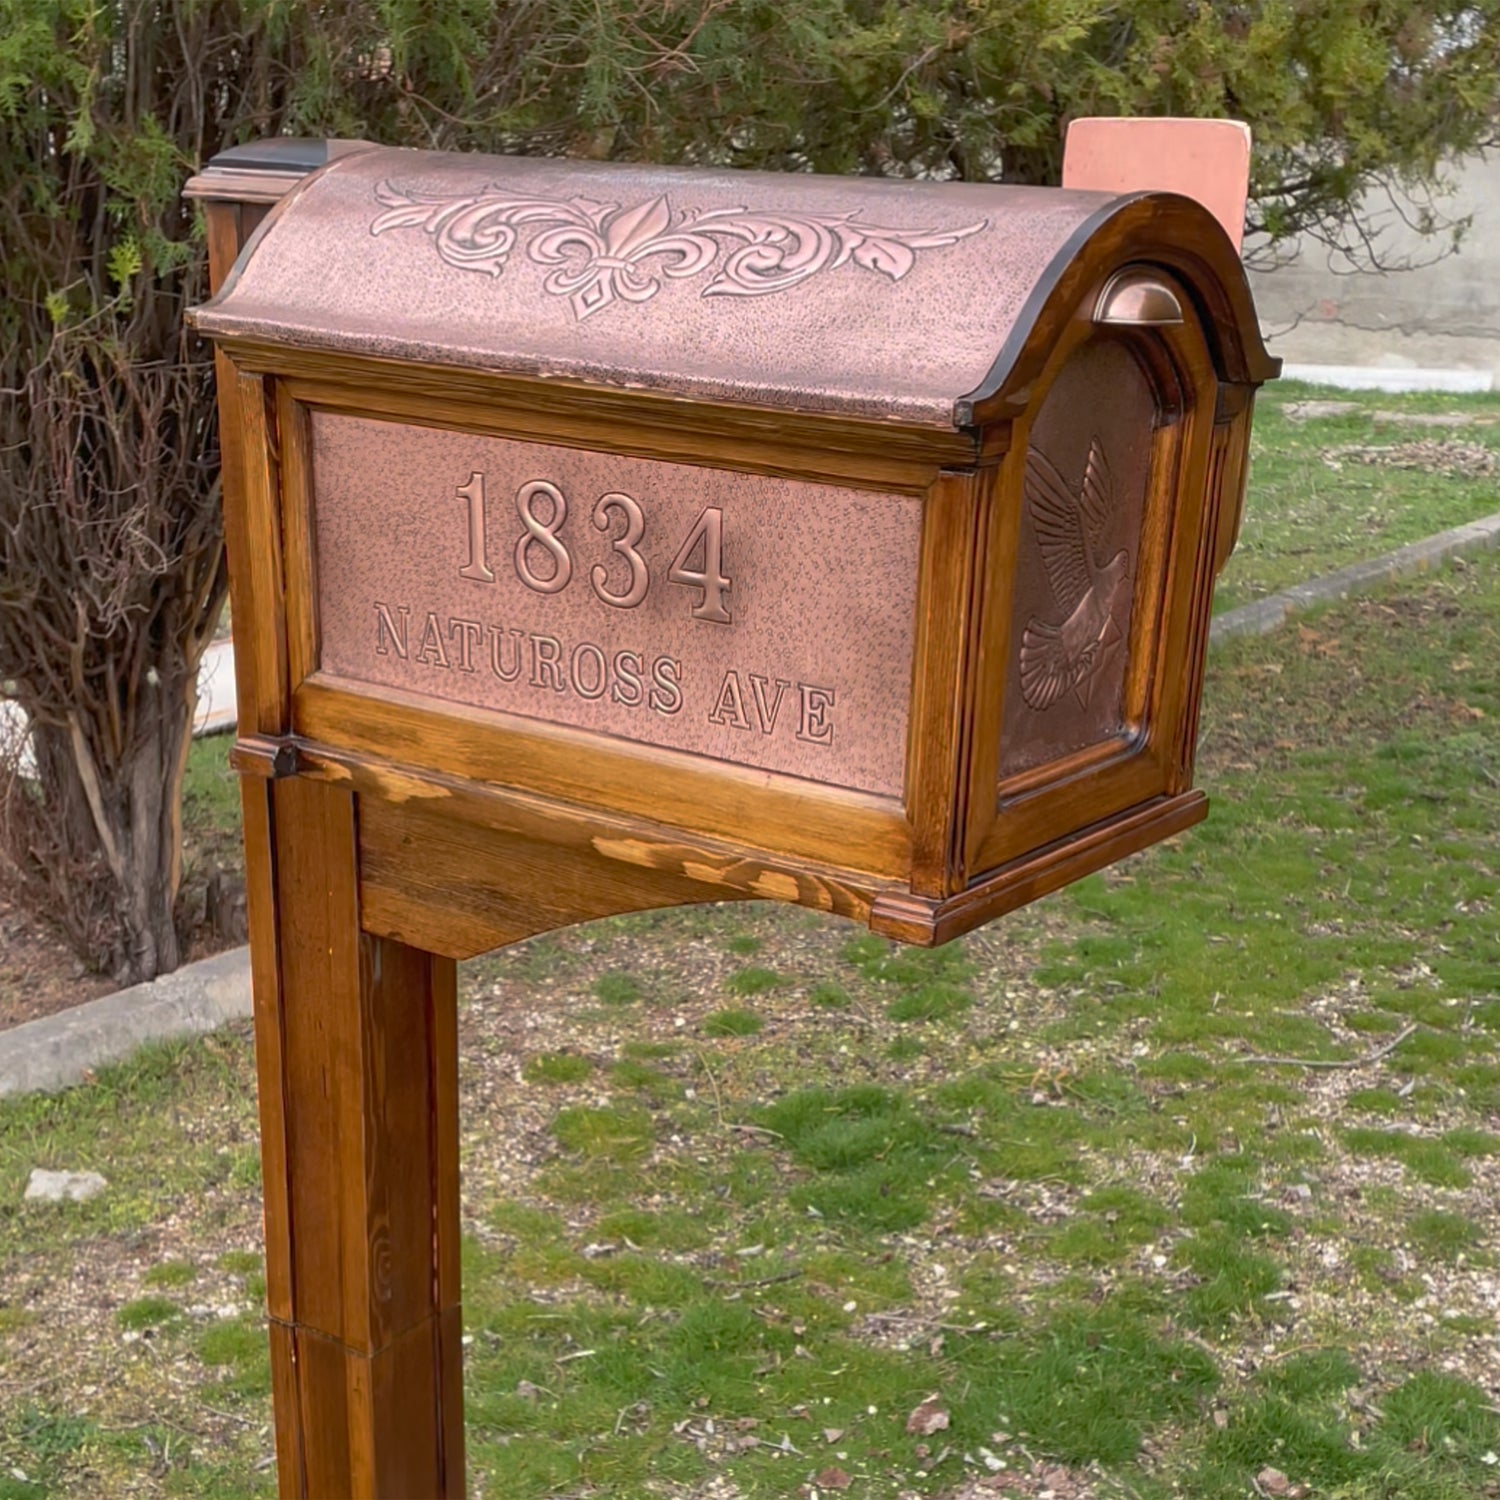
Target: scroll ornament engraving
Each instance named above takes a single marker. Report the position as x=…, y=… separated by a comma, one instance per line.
x=603, y=252
x=1067, y=654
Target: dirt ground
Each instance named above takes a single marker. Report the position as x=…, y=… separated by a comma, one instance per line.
x=38, y=974
x=41, y=975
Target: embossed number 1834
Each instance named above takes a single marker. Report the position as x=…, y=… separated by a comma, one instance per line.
x=544, y=563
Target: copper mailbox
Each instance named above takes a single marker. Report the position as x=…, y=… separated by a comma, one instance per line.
x=840, y=541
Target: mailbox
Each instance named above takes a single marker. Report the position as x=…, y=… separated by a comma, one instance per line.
x=605, y=537
x=835, y=540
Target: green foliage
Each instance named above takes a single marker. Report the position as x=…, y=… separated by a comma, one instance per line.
x=171, y=1273
x=1443, y=1236
x=240, y=1345
x=753, y=981
x=148, y=1312
x=1085, y=1385
x=732, y=1023
x=1434, y=1437
x=874, y=1155
x=830, y=995
x=617, y=989
x=1426, y=1158
x=930, y=1002
x=612, y=1134
x=1338, y=96
x=556, y=1067
x=657, y=1086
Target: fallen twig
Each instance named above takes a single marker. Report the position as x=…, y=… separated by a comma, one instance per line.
x=713, y=1083
x=230, y=1416
x=1341, y=1062
x=745, y=1286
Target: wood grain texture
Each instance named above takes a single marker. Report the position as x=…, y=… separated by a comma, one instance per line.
x=264, y=758
x=989, y=630
x=1225, y=499
x=270, y=1047
x=450, y=1372
x=260, y=189
x=442, y=1029
x=908, y=918
x=252, y=216
x=232, y=484
x=369, y=1090
x=955, y=527
x=286, y=1401
x=252, y=529
x=1236, y=407
x=224, y=234
x=442, y=874
x=798, y=820
x=448, y=1325
x=327, y=1424
x=222, y=227
x=718, y=870
x=318, y=916
x=299, y=552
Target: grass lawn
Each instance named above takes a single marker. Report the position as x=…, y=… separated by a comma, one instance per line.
x=1180, y=1183
x=1311, y=507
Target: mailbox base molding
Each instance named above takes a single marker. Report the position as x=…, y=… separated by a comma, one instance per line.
x=915, y=919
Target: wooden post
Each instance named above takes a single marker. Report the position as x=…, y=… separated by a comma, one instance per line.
x=358, y=1061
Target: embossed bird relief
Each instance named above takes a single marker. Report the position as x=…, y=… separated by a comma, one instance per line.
x=1091, y=587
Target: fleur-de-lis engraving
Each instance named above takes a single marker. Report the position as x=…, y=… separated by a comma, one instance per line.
x=599, y=251
x=1071, y=531
x=597, y=265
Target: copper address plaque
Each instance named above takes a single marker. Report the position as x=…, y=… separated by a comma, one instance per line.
x=766, y=622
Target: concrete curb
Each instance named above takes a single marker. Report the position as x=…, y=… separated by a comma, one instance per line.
x=1265, y=615
x=56, y=1051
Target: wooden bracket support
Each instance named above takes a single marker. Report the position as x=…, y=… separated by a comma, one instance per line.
x=265, y=758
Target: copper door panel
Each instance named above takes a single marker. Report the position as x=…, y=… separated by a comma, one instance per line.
x=1087, y=475
x=761, y=621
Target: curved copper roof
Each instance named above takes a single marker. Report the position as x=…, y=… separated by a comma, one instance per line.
x=851, y=295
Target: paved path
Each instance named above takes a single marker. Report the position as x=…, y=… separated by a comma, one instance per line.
x=216, y=707
x=58, y=1051
x=1262, y=616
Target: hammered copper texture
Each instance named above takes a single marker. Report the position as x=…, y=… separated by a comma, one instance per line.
x=1098, y=418
x=821, y=598
x=897, y=327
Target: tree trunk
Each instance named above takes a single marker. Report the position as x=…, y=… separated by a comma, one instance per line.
x=106, y=842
